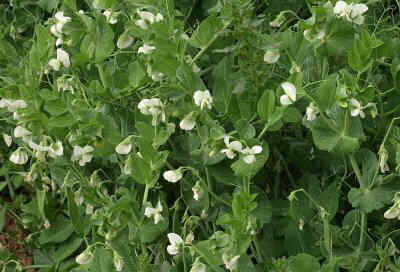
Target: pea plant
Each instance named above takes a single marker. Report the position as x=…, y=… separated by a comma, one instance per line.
x=201, y=136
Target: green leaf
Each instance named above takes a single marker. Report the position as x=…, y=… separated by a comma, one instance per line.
x=66, y=249
x=189, y=80
x=245, y=129
x=325, y=96
x=59, y=231
x=74, y=213
x=341, y=136
x=55, y=107
x=222, y=84
x=141, y=170
x=65, y=120
x=244, y=169
x=206, y=31
x=266, y=105
x=102, y=37
x=369, y=200
x=304, y=263
x=102, y=261
x=136, y=74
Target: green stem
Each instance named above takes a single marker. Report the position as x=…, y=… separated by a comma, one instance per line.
x=146, y=194
x=204, y=49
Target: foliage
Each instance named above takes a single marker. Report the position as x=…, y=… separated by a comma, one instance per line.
x=215, y=135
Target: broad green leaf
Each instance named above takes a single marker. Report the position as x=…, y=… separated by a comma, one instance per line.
x=206, y=31
x=65, y=120
x=55, y=107
x=325, y=96
x=74, y=213
x=67, y=249
x=369, y=200
x=141, y=170
x=189, y=80
x=222, y=84
x=342, y=136
x=136, y=74
x=59, y=231
x=266, y=105
x=245, y=129
x=304, y=263
x=102, y=261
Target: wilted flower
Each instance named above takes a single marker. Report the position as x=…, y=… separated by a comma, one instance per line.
x=250, y=153
x=124, y=41
x=351, y=12
x=19, y=156
x=394, y=211
x=311, y=112
x=156, y=212
x=290, y=94
x=111, y=17
x=85, y=257
x=125, y=146
x=197, y=191
x=7, y=139
x=311, y=36
x=82, y=154
x=146, y=49
x=56, y=149
x=173, y=175
x=231, y=263
x=118, y=262
x=203, y=99
x=188, y=123
x=383, y=158
x=278, y=21
x=176, y=242
x=231, y=147
x=271, y=56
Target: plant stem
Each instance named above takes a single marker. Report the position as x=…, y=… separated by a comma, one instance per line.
x=146, y=194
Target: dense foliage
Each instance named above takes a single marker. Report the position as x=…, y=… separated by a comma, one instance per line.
x=210, y=135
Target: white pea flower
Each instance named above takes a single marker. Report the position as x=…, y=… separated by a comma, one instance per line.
x=125, y=146
x=61, y=20
x=173, y=175
x=146, y=49
x=383, y=156
x=20, y=132
x=56, y=149
x=111, y=17
x=197, y=191
x=231, y=147
x=290, y=93
x=176, y=242
x=155, y=76
x=189, y=238
x=65, y=84
x=156, y=212
x=272, y=56
x=351, y=12
x=85, y=257
x=55, y=64
x=198, y=267
x=203, y=99
x=12, y=105
x=89, y=209
x=124, y=41
x=82, y=154
x=59, y=41
x=231, y=263
x=147, y=18
x=356, y=108
x=7, y=139
x=311, y=112
x=63, y=57
x=118, y=262
x=153, y=107
x=188, y=123
x=19, y=156
x=250, y=153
